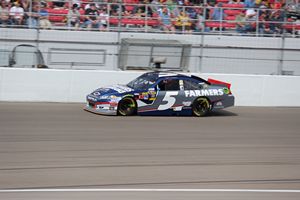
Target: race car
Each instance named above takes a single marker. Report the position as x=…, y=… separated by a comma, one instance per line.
x=161, y=93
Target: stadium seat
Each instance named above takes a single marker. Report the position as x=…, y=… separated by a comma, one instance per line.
x=291, y=27
x=232, y=12
x=129, y=4
x=57, y=15
x=230, y=17
x=151, y=22
x=222, y=1
x=230, y=5
x=220, y=25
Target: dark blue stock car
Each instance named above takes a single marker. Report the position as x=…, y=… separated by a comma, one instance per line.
x=161, y=93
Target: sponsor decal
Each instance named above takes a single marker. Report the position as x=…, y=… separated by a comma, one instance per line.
x=186, y=103
x=120, y=88
x=91, y=98
x=207, y=92
x=110, y=97
x=107, y=106
x=144, y=95
x=111, y=108
x=226, y=90
x=181, y=85
x=177, y=108
x=219, y=103
x=169, y=99
x=101, y=107
x=152, y=94
x=96, y=93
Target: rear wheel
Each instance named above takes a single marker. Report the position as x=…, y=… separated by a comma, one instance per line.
x=127, y=107
x=201, y=107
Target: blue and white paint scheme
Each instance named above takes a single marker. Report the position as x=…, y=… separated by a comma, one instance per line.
x=161, y=93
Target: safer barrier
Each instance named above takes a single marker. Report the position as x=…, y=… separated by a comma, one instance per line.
x=48, y=85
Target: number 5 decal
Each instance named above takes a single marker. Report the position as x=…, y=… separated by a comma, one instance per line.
x=170, y=99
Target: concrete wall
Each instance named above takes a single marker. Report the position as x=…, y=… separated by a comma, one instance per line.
x=48, y=85
x=263, y=59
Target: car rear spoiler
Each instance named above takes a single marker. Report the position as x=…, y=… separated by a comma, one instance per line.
x=211, y=81
x=217, y=82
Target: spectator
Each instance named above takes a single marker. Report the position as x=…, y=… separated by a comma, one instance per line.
x=154, y=5
x=249, y=3
x=140, y=13
x=263, y=4
x=127, y=14
x=242, y=25
x=44, y=17
x=190, y=9
x=91, y=15
x=4, y=15
x=33, y=17
x=77, y=2
x=172, y=7
x=17, y=14
x=192, y=12
x=276, y=20
x=114, y=8
x=58, y=4
x=143, y=9
x=199, y=25
x=263, y=7
x=25, y=4
x=5, y=4
x=166, y=22
x=183, y=23
x=103, y=19
x=263, y=25
x=218, y=13
x=251, y=14
x=235, y=2
x=74, y=16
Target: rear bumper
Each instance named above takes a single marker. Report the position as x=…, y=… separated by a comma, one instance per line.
x=227, y=102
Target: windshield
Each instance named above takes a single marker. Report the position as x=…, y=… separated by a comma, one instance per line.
x=144, y=81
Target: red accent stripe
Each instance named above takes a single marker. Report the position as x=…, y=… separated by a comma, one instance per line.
x=146, y=110
x=214, y=81
x=99, y=103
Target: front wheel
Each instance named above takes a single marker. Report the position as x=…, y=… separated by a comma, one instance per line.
x=201, y=107
x=127, y=107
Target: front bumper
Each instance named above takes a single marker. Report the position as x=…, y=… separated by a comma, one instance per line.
x=103, y=110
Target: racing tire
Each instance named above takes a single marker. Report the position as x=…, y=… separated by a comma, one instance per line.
x=127, y=107
x=201, y=107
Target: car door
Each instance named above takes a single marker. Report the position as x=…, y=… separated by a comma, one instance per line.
x=170, y=94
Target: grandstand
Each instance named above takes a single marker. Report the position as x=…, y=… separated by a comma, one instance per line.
x=145, y=16
x=270, y=23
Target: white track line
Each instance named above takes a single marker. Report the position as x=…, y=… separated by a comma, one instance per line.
x=149, y=190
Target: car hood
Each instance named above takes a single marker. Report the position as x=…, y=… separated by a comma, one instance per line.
x=112, y=90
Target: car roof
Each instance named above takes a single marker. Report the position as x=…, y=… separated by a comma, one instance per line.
x=161, y=74
x=165, y=74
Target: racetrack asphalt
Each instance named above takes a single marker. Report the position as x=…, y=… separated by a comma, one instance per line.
x=60, y=146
